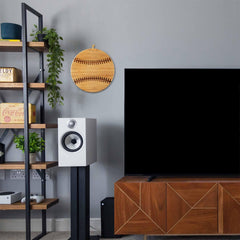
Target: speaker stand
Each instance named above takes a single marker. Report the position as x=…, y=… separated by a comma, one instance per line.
x=80, y=196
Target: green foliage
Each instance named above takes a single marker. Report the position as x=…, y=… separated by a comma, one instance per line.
x=36, y=143
x=55, y=66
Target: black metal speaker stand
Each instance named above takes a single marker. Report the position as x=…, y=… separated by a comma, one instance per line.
x=80, y=210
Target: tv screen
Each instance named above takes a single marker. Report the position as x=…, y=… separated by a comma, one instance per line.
x=182, y=122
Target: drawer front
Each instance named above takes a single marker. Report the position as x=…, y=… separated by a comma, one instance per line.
x=140, y=208
x=229, y=208
x=192, y=208
x=166, y=208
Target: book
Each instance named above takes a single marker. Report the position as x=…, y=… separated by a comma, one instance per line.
x=11, y=40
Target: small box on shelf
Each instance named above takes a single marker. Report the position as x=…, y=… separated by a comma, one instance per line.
x=10, y=74
x=14, y=113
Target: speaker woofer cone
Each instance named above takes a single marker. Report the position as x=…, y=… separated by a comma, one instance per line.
x=72, y=141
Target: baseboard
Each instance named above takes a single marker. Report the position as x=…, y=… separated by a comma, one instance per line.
x=56, y=225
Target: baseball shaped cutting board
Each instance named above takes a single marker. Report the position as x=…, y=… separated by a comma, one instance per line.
x=92, y=70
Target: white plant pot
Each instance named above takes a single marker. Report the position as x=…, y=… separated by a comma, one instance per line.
x=32, y=157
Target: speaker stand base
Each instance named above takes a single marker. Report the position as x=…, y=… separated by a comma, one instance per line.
x=91, y=238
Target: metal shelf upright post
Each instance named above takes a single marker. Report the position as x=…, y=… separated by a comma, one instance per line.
x=26, y=8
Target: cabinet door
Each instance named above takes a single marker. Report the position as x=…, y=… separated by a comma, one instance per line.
x=229, y=208
x=192, y=208
x=140, y=208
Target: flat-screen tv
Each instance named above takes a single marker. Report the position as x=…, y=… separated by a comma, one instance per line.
x=182, y=122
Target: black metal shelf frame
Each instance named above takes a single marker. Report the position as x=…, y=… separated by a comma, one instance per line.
x=25, y=9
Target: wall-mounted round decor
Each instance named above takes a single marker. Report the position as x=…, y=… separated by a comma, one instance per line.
x=92, y=70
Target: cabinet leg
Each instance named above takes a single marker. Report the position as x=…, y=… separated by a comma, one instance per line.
x=145, y=237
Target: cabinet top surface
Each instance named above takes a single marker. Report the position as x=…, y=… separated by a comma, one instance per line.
x=178, y=179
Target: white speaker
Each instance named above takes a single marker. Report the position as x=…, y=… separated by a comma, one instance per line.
x=76, y=142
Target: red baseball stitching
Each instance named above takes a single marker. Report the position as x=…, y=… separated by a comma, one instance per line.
x=93, y=62
x=101, y=79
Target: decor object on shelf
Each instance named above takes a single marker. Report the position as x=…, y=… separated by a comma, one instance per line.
x=54, y=59
x=2, y=153
x=92, y=70
x=32, y=157
x=10, y=197
x=77, y=145
x=10, y=74
x=11, y=31
x=36, y=197
x=14, y=113
x=36, y=144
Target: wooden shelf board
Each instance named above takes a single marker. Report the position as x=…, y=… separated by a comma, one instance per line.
x=6, y=46
x=20, y=165
x=47, y=203
x=31, y=126
x=16, y=86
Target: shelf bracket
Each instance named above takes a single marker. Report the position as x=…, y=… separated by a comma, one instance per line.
x=41, y=174
x=4, y=134
x=39, y=236
x=37, y=78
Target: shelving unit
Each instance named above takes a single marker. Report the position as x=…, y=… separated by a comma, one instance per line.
x=24, y=47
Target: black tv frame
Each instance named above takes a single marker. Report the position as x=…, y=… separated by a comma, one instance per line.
x=156, y=174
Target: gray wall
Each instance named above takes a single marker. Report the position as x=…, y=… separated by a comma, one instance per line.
x=135, y=33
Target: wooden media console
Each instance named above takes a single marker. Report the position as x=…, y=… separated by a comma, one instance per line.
x=177, y=206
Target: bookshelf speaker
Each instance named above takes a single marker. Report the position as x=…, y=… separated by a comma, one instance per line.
x=76, y=142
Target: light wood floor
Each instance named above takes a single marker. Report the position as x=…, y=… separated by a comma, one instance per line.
x=21, y=236
x=66, y=235
x=53, y=236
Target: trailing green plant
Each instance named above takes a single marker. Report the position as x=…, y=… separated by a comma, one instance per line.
x=55, y=66
x=36, y=143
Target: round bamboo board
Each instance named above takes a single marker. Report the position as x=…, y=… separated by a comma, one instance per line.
x=92, y=70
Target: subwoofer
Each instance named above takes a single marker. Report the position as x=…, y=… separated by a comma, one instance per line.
x=76, y=142
x=107, y=218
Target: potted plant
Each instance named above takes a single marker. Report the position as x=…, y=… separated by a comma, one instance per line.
x=54, y=59
x=36, y=144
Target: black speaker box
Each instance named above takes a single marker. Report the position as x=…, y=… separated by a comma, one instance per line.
x=2, y=153
x=107, y=218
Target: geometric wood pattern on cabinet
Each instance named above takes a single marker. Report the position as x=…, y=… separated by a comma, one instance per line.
x=192, y=208
x=153, y=203
x=229, y=208
x=140, y=208
x=177, y=206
